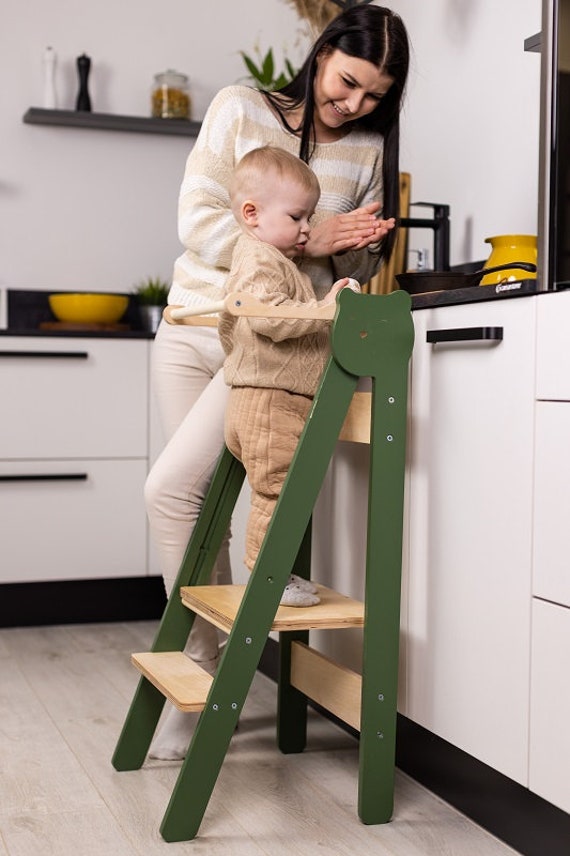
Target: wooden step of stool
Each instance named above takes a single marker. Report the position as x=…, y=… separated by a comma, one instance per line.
x=177, y=677
x=219, y=605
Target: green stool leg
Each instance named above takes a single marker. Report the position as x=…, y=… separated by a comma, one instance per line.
x=382, y=604
x=177, y=620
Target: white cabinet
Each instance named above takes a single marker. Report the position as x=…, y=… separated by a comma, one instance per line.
x=551, y=548
x=550, y=704
x=549, y=765
x=470, y=511
x=551, y=562
x=553, y=347
x=73, y=458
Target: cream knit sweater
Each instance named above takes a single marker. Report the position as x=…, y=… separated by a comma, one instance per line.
x=238, y=120
x=274, y=353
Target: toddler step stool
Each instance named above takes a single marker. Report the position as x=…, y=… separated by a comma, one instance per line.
x=372, y=336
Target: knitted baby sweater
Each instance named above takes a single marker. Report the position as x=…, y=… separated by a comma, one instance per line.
x=238, y=120
x=274, y=353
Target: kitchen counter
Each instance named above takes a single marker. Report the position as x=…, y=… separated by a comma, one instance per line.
x=474, y=294
x=29, y=313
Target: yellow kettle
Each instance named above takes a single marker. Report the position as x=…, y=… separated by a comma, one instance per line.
x=510, y=248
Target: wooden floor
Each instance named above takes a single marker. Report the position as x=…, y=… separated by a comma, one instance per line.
x=64, y=692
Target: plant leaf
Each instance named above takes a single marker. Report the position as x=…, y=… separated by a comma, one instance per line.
x=268, y=67
x=255, y=72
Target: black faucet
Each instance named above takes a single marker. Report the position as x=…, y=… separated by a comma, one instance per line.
x=440, y=226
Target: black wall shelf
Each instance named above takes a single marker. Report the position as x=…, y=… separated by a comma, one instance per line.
x=111, y=122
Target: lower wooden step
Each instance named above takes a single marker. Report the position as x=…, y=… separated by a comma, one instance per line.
x=219, y=605
x=177, y=677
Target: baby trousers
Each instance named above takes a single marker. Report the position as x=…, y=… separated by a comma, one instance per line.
x=262, y=430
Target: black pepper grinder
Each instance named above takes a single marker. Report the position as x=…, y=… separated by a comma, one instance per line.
x=83, y=67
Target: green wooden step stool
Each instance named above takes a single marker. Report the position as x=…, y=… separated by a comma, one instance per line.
x=372, y=336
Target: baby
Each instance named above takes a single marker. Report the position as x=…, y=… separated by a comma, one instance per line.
x=273, y=365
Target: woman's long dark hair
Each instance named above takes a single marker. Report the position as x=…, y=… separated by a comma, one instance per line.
x=377, y=35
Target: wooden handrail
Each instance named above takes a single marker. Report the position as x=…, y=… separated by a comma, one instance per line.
x=242, y=304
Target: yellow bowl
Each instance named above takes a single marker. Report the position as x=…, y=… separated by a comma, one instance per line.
x=85, y=308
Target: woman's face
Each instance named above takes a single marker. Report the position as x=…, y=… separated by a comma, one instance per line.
x=346, y=88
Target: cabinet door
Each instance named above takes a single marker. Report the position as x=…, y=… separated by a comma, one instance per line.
x=73, y=398
x=72, y=520
x=553, y=347
x=551, y=546
x=550, y=704
x=470, y=458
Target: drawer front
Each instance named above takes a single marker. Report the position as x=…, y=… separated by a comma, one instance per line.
x=551, y=547
x=80, y=519
x=73, y=398
x=553, y=347
x=549, y=769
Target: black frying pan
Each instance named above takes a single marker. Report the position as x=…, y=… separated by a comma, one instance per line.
x=421, y=281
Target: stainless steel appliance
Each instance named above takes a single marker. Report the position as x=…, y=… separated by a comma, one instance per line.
x=554, y=153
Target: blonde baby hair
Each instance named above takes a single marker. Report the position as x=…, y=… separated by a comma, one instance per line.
x=254, y=170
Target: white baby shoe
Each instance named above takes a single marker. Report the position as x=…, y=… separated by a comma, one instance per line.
x=296, y=595
x=304, y=584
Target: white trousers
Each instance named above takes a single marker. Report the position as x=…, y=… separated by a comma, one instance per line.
x=188, y=384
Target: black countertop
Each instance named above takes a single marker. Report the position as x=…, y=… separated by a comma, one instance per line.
x=475, y=294
x=29, y=309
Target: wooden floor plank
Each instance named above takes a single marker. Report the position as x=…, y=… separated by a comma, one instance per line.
x=61, y=712
x=89, y=832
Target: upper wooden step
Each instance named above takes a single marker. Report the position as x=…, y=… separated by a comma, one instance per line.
x=177, y=677
x=219, y=605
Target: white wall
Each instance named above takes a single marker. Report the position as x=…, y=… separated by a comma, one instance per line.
x=97, y=210
x=470, y=127
x=84, y=209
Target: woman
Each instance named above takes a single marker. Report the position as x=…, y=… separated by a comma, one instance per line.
x=341, y=115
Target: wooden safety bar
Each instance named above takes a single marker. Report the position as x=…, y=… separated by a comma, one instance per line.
x=244, y=304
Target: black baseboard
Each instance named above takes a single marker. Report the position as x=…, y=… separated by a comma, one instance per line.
x=524, y=821
x=81, y=601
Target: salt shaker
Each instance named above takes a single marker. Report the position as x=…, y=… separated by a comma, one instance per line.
x=50, y=96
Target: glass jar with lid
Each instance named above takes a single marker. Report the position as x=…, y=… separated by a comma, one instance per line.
x=170, y=96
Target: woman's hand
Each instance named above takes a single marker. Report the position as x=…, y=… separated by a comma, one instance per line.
x=352, y=231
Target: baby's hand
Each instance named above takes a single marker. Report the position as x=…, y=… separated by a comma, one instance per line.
x=345, y=282
x=354, y=284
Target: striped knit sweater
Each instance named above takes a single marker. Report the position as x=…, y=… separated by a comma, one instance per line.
x=238, y=120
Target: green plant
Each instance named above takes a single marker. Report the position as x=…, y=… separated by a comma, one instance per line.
x=262, y=71
x=152, y=291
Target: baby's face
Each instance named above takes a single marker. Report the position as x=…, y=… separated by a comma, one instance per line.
x=284, y=214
